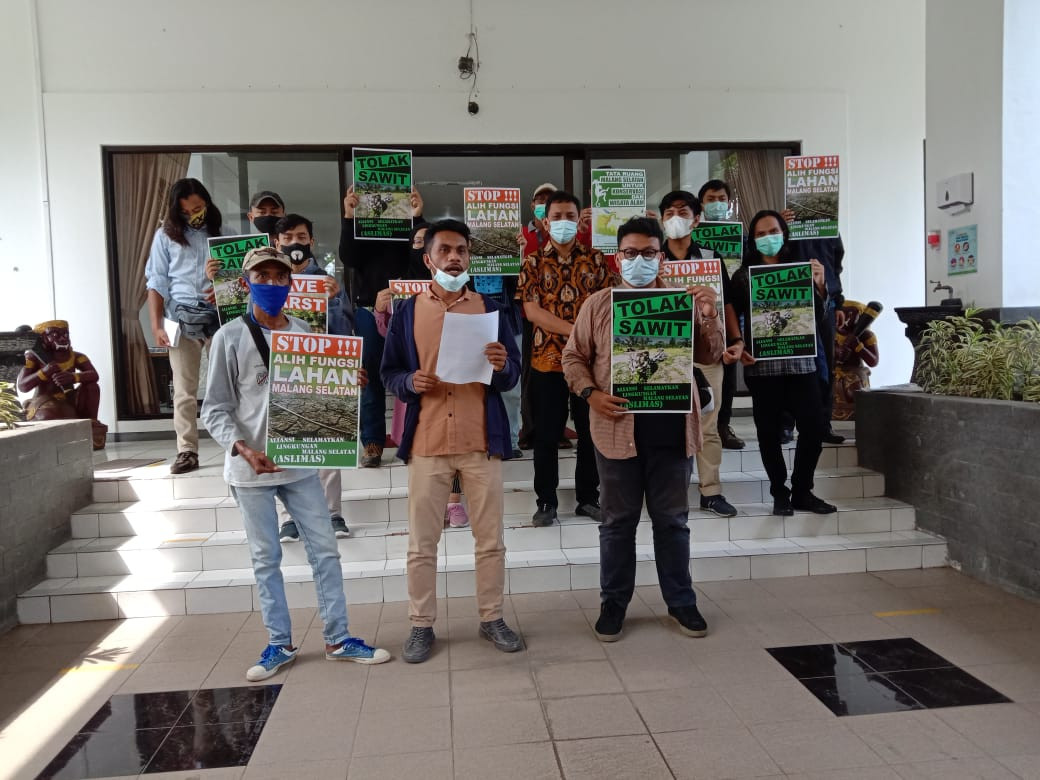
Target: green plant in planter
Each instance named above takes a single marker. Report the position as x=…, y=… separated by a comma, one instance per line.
x=971, y=357
x=10, y=409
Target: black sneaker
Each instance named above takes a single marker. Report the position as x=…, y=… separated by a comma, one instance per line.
x=418, y=645
x=517, y=453
x=782, y=507
x=830, y=437
x=545, y=515
x=611, y=618
x=810, y=503
x=590, y=510
x=289, y=532
x=186, y=461
x=730, y=440
x=504, y=638
x=787, y=436
x=718, y=505
x=690, y=620
x=339, y=527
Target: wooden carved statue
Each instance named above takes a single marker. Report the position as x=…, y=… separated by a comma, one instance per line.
x=855, y=348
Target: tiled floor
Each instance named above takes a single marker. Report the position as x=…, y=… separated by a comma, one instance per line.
x=655, y=704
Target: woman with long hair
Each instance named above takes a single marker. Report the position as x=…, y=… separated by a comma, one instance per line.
x=783, y=385
x=178, y=290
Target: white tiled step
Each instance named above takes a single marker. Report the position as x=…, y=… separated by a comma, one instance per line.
x=233, y=590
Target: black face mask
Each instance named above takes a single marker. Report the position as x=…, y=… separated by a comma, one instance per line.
x=298, y=253
x=266, y=223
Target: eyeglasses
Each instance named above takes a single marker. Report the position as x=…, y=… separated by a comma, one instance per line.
x=646, y=254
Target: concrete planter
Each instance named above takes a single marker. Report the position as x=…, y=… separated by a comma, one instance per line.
x=46, y=472
x=971, y=469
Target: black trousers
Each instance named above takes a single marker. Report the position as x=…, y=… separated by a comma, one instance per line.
x=549, y=405
x=526, y=418
x=729, y=389
x=799, y=396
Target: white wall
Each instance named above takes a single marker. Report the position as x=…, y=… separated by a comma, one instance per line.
x=964, y=120
x=843, y=77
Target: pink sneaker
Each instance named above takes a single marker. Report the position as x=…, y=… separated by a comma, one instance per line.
x=456, y=516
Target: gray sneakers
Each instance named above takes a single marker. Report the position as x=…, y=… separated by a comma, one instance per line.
x=503, y=637
x=418, y=645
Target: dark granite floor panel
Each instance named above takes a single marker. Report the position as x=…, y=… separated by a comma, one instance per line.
x=896, y=655
x=954, y=687
x=206, y=747
x=867, y=694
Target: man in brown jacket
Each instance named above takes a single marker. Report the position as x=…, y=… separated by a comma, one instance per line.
x=641, y=454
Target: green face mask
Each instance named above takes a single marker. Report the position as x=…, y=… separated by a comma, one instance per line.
x=539, y=211
x=770, y=245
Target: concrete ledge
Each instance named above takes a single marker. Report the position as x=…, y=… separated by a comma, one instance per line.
x=970, y=468
x=46, y=473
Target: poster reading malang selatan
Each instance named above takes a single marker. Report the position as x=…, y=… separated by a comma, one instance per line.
x=783, y=320
x=725, y=238
x=312, y=419
x=308, y=301
x=811, y=192
x=651, y=362
x=694, y=273
x=383, y=184
x=493, y=217
x=618, y=194
x=229, y=286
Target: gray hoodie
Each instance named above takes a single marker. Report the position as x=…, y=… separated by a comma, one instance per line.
x=236, y=402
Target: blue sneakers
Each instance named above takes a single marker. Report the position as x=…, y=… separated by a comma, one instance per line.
x=271, y=660
x=354, y=649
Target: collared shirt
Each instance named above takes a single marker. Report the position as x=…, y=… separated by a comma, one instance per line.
x=451, y=417
x=176, y=271
x=560, y=286
x=586, y=363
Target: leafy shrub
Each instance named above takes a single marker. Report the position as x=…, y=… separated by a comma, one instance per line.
x=10, y=409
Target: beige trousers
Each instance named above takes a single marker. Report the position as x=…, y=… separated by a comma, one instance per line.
x=709, y=459
x=332, y=483
x=185, y=359
x=429, y=484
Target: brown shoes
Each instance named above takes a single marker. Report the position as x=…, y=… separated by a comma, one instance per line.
x=186, y=461
x=372, y=458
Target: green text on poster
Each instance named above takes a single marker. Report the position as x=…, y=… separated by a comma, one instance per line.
x=811, y=192
x=783, y=319
x=383, y=184
x=228, y=285
x=725, y=238
x=618, y=194
x=493, y=217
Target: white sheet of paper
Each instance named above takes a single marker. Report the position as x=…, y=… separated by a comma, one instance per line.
x=463, y=338
x=173, y=331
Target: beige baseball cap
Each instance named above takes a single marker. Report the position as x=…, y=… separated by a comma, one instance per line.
x=543, y=187
x=264, y=254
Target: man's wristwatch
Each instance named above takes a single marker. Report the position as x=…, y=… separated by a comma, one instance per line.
x=586, y=393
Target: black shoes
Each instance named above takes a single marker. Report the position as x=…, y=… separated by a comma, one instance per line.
x=782, y=507
x=810, y=503
x=611, y=618
x=503, y=637
x=418, y=645
x=690, y=620
x=186, y=461
x=590, y=510
x=730, y=440
x=546, y=515
x=718, y=505
x=830, y=437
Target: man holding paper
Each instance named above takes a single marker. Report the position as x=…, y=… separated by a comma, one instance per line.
x=645, y=455
x=450, y=354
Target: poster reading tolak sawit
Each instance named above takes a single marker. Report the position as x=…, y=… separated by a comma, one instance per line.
x=725, y=238
x=651, y=362
x=312, y=420
x=811, y=192
x=493, y=217
x=403, y=289
x=618, y=194
x=783, y=320
x=228, y=285
x=383, y=184
x=309, y=301
x=694, y=273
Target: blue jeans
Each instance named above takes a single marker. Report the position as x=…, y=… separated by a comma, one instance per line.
x=663, y=477
x=305, y=501
x=373, y=396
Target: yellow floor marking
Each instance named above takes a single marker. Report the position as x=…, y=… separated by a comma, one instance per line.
x=100, y=668
x=905, y=612
x=185, y=539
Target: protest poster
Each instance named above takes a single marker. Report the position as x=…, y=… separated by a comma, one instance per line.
x=383, y=184
x=493, y=217
x=403, y=289
x=725, y=238
x=651, y=362
x=962, y=247
x=688, y=273
x=811, y=192
x=783, y=319
x=312, y=419
x=229, y=287
x=618, y=194
x=308, y=301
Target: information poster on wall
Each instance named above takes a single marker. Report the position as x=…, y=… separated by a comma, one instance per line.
x=618, y=194
x=383, y=184
x=229, y=286
x=493, y=217
x=811, y=192
x=309, y=301
x=725, y=238
x=690, y=273
x=783, y=320
x=651, y=362
x=403, y=289
x=312, y=420
x=962, y=250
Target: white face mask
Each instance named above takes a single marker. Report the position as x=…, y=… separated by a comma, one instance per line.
x=677, y=227
x=449, y=282
x=640, y=272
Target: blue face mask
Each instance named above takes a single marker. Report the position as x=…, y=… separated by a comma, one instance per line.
x=269, y=297
x=539, y=211
x=563, y=231
x=770, y=245
x=449, y=282
x=639, y=272
x=716, y=210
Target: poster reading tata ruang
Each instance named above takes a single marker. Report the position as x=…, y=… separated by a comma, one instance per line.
x=312, y=420
x=783, y=320
x=308, y=301
x=694, y=273
x=811, y=192
x=493, y=217
x=228, y=285
x=618, y=194
x=383, y=184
